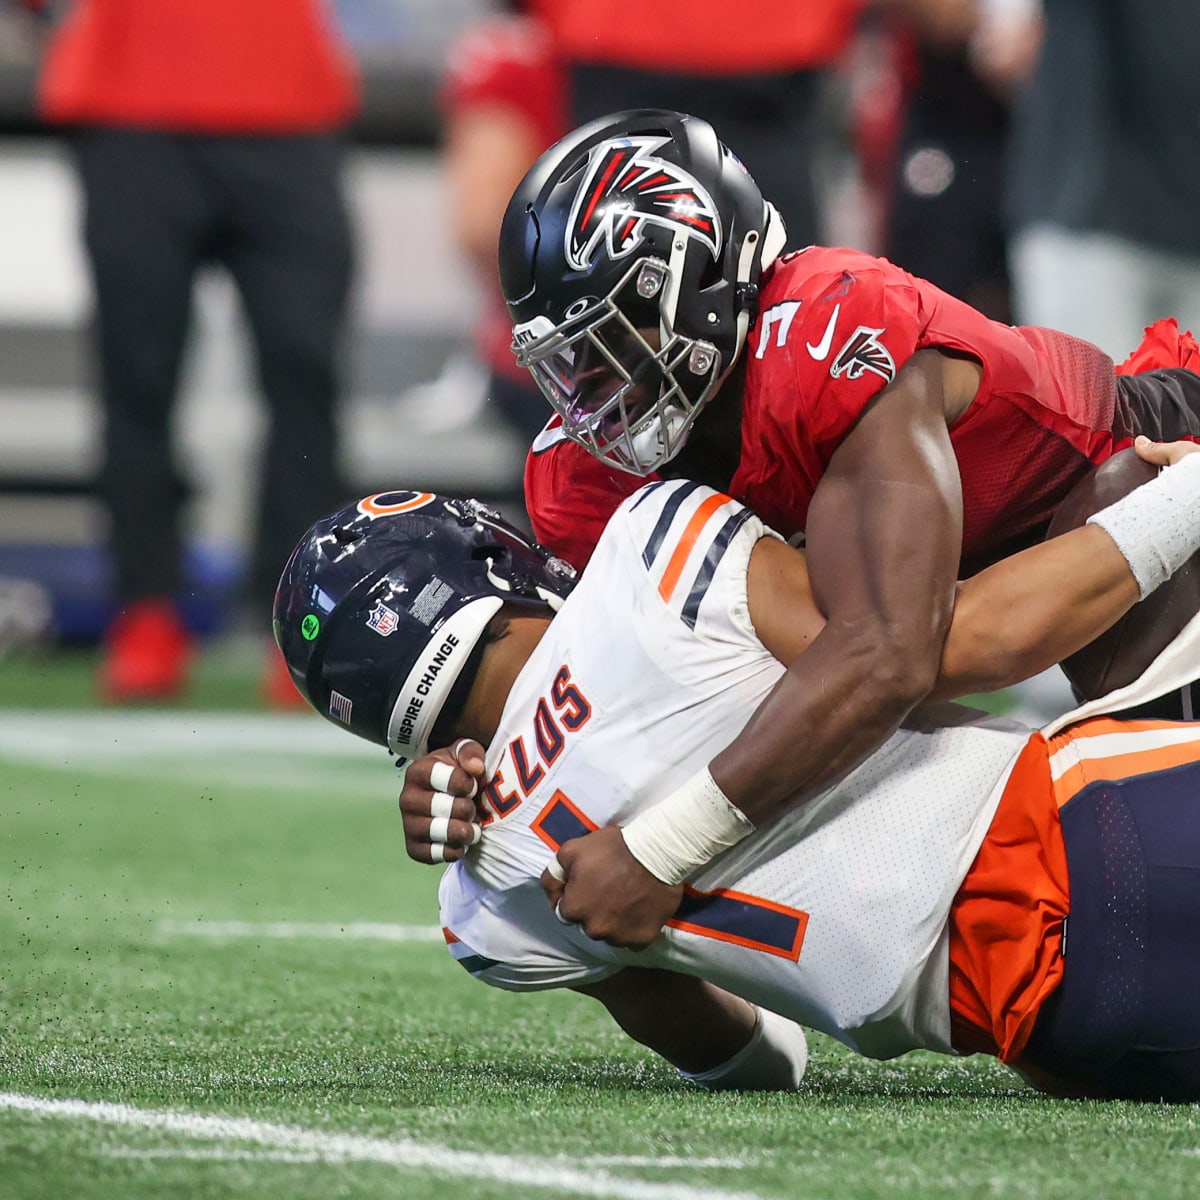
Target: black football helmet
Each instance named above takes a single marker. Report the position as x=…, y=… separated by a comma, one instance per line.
x=382, y=605
x=630, y=256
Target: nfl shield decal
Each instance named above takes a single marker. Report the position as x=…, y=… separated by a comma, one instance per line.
x=383, y=620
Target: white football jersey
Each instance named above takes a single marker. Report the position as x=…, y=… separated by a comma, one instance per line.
x=835, y=915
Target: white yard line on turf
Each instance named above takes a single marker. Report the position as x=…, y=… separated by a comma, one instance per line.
x=258, y=750
x=522, y=1172
x=361, y=930
x=55, y=735
x=310, y=1156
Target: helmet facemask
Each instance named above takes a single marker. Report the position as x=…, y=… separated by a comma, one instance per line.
x=626, y=383
x=630, y=257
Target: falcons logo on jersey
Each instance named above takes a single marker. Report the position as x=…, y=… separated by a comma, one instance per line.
x=625, y=189
x=864, y=351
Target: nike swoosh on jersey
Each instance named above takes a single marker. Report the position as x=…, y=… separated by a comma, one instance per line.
x=821, y=350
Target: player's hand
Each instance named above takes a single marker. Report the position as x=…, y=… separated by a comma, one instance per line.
x=1163, y=454
x=441, y=818
x=608, y=893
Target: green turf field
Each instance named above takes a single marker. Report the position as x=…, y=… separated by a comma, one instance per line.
x=221, y=977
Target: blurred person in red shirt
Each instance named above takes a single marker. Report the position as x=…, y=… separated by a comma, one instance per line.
x=503, y=101
x=205, y=131
x=757, y=76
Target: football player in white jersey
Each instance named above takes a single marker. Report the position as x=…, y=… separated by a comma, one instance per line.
x=920, y=902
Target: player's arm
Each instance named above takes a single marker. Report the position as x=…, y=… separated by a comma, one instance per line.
x=1039, y=607
x=884, y=538
x=1017, y=618
x=713, y=1037
x=884, y=534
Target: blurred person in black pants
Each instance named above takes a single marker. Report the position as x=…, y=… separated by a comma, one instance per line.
x=206, y=133
x=954, y=67
x=1104, y=181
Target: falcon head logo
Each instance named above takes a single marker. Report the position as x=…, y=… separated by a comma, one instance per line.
x=626, y=188
x=864, y=351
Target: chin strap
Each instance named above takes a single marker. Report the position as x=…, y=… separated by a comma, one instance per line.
x=774, y=237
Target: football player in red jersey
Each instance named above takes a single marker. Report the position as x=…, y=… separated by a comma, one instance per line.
x=906, y=436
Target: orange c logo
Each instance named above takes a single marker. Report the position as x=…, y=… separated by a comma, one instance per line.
x=381, y=504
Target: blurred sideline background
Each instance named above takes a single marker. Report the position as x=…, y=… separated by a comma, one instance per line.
x=414, y=414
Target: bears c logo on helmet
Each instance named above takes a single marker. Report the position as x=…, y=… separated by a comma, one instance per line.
x=625, y=189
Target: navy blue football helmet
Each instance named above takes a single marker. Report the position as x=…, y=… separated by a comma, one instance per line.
x=630, y=257
x=382, y=605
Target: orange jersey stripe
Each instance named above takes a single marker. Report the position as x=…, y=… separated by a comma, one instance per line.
x=1103, y=749
x=686, y=541
x=1006, y=921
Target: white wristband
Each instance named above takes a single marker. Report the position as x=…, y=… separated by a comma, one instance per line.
x=774, y=1060
x=1157, y=526
x=687, y=830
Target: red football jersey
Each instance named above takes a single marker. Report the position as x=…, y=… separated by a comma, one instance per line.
x=835, y=326
x=570, y=495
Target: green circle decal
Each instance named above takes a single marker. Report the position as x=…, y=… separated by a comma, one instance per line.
x=310, y=626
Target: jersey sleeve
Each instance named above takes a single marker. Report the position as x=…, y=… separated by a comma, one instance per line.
x=860, y=322
x=510, y=62
x=570, y=495
x=1163, y=344
x=694, y=544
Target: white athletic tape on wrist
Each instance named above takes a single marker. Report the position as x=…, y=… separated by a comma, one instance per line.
x=439, y=829
x=1157, y=526
x=439, y=776
x=686, y=831
x=774, y=1060
x=441, y=804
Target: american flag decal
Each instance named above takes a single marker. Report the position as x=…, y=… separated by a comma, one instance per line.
x=340, y=707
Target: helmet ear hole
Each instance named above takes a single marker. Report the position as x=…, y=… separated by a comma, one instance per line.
x=488, y=553
x=711, y=276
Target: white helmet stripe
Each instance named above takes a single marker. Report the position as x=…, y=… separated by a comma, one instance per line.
x=420, y=700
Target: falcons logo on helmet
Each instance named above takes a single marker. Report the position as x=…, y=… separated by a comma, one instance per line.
x=864, y=351
x=625, y=189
